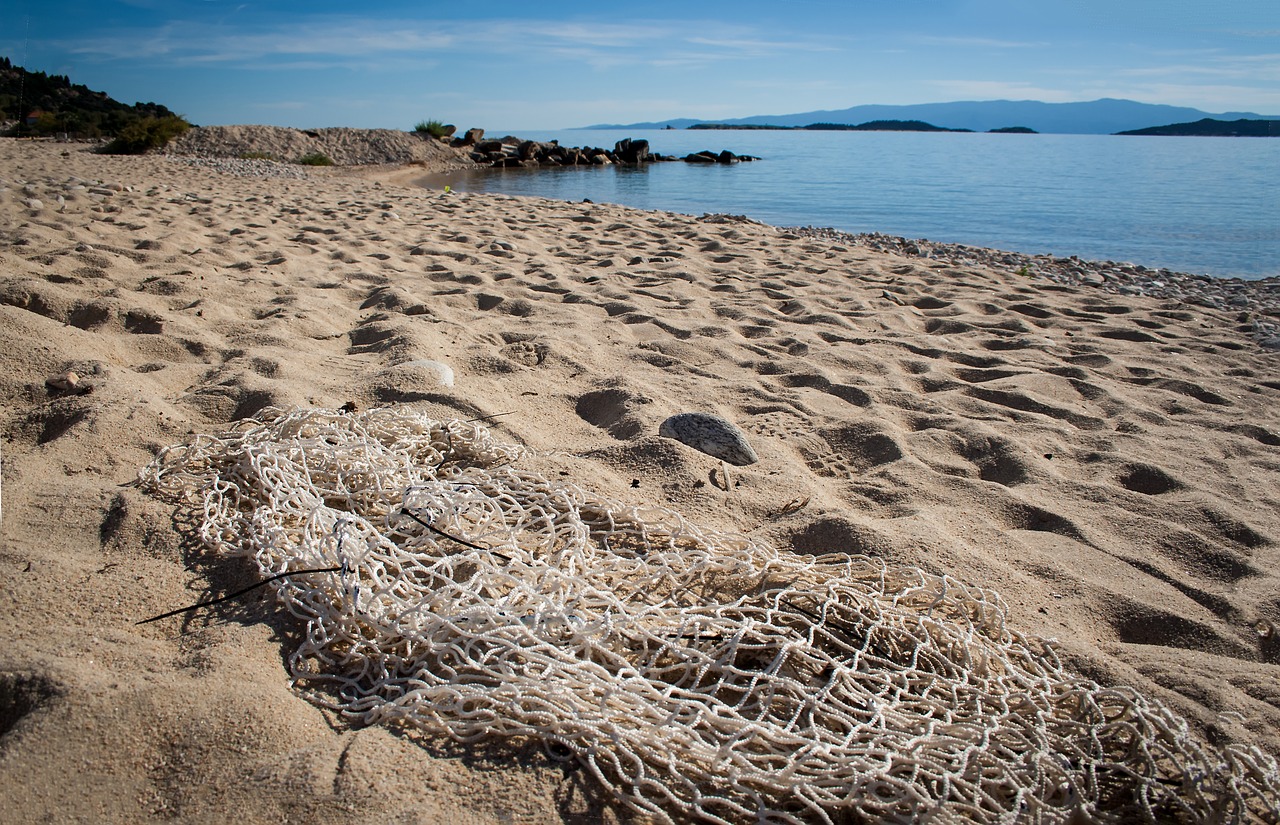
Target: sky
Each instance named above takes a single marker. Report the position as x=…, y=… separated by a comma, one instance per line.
x=562, y=64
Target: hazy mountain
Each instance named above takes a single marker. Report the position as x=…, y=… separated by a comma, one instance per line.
x=1100, y=117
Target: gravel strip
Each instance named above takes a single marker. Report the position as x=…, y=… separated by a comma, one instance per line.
x=1256, y=302
x=245, y=167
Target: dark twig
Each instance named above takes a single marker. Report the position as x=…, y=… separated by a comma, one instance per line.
x=231, y=596
x=448, y=436
x=487, y=417
x=463, y=542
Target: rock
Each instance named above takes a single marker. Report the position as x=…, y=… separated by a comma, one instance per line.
x=69, y=382
x=419, y=374
x=631, y=151
x=710, y=434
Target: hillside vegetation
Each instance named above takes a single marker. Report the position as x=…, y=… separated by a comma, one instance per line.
x=39, y=104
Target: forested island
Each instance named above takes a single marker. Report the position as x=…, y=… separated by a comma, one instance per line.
x=1209, y=127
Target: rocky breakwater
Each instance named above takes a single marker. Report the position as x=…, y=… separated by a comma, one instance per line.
x=511, y=151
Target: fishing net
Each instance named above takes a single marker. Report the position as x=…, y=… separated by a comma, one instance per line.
x=699, y=675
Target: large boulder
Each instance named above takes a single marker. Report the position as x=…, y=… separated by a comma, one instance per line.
x=631, y=151
x=470, y=138
x=531, y=150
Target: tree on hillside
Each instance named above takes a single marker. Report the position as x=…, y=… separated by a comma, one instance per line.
x=43, y=104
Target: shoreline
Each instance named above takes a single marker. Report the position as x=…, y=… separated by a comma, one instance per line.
x=1253, y=296
x=435, y=160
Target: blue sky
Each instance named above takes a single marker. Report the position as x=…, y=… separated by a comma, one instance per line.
x=507, y=66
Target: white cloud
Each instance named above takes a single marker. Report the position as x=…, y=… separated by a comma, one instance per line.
x=363, y=42
x=1257, y=68
x=749, y=46
x=981, y=42
x=1209, y=97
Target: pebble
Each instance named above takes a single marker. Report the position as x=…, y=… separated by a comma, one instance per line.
x=66, y=382
x=435, y=371
x=245, y=167
x=710, y=434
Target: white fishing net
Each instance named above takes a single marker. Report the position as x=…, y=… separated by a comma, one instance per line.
x=699, y=675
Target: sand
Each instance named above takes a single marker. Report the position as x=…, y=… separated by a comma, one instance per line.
x=1109, y=464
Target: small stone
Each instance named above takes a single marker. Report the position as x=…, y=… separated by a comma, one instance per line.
x=710, y=434
x=65, y=382
x=423, y=372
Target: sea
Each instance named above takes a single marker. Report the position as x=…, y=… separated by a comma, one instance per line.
x=1205, y=205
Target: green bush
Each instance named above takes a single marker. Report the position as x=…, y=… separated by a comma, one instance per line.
x=315, y=159
x=146, y=134
x=257, y=156
x=435, y=128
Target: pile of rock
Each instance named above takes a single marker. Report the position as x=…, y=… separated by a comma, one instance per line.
x=345, y=147
x=511, y=151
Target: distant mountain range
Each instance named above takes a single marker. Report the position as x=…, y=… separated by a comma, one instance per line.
x=1096, y=117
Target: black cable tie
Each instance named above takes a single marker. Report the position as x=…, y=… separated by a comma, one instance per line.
x=231, y=596
x=463, y=542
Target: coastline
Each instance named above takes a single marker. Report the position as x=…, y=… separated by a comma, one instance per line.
x=1104, y=455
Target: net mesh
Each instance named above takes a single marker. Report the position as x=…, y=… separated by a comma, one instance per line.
x=700, y=675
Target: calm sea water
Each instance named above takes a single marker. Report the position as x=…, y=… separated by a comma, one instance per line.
x=1204, y=205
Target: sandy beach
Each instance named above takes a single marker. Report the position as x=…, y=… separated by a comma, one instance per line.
x=1109, y=464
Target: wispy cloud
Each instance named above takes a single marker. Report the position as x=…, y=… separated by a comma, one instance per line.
x=979, y=42
x=1210, y=97
x=756, y=46
x=359, y=41
x=1258, y=68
